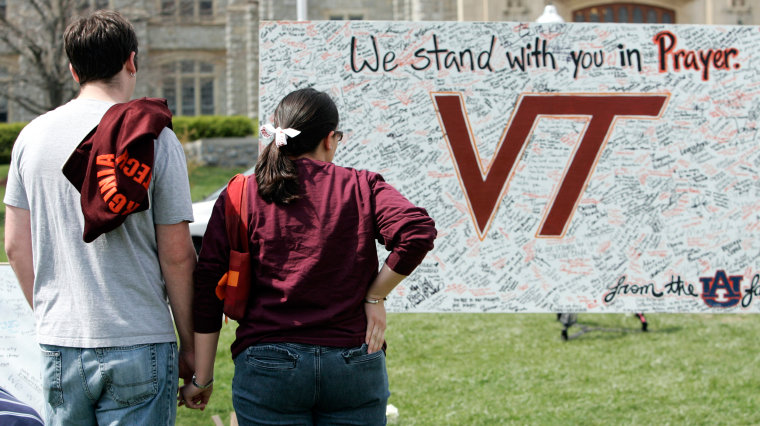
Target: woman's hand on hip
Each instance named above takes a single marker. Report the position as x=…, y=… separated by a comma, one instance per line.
x=376, y=324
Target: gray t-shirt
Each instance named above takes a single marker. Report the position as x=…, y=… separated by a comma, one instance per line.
x=109, y=292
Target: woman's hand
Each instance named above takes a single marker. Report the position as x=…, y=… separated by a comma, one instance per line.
x=380, y=287
x=194, y=397
x=376, y=323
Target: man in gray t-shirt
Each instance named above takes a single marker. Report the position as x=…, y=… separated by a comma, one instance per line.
x=102, y=318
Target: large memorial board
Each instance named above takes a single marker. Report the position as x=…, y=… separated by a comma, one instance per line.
x=568, y=167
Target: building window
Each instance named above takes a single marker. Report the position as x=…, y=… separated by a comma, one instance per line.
x=738, y=6
x=184, y=10
x=345, y=16
x=638, y=15
x=188, y=87
x=651, y=16
x=2, y=8
x=609, y=14
x=622, y=14
x=625, y=13
x=206, y=8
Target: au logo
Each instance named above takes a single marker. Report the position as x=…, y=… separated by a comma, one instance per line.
x=721, y=291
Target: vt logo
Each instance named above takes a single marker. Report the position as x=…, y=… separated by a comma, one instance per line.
x=484, y=188
x=721, y=291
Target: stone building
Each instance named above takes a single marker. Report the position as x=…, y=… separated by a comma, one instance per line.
x=202, y=55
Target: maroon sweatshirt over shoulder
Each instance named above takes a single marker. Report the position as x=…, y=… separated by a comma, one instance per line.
x=313, y=260
x=113, y=166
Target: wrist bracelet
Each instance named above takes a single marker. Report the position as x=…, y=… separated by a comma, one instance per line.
x=374, y=301
x=206, y=386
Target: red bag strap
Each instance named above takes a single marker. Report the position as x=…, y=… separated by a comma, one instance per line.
x=236, y=213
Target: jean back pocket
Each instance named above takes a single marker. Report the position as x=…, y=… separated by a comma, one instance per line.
x=271, y=357
x=131, y=373
x=359, y=355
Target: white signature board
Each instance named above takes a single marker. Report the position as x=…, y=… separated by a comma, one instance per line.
x=20, y=357
x=568, y=167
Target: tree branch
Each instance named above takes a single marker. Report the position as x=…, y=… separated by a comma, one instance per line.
x=35, y=35
x=23, y=38
x=25, y=103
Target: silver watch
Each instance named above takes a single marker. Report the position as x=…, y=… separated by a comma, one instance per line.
x=206, y=386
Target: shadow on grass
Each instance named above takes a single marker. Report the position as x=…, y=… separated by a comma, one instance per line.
x=596, y=330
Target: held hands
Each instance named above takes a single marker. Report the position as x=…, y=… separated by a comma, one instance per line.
x=194, y=397
x=376, y=323
x=191, y=394
x=186, y=368
x=197, y=390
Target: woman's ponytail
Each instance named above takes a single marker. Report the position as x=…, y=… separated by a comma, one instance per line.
x=276, y=176
x=314, y=115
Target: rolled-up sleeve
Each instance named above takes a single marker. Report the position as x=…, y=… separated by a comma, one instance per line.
x=407, y=231
x=213, y=262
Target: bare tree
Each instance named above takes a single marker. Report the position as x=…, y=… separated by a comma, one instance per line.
x=33, y=31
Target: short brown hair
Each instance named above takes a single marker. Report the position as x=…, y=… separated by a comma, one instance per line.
x=98, y=45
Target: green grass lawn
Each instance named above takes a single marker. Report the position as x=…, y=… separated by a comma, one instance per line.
x=493, y=369
x=206, y=180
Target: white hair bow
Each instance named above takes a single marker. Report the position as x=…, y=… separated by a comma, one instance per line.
x=280, y=135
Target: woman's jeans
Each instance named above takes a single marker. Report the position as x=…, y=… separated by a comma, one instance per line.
x=296, y=384
x=129, y=385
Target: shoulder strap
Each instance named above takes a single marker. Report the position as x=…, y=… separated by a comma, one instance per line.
x=236, y=213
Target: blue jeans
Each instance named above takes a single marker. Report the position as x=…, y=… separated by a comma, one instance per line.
x=295, y=384
x=131, y=385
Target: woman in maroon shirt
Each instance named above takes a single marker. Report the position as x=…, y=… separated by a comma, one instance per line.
x=309, y=347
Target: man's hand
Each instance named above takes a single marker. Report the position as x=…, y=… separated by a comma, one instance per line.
x=186, y=365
